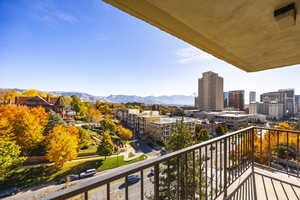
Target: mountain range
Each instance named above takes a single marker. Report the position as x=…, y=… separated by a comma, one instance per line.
x=167, y=100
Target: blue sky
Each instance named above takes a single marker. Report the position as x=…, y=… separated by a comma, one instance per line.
x=91, y=47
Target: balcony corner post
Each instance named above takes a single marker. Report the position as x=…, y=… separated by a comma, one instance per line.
x=225, y=168
x=252, y=160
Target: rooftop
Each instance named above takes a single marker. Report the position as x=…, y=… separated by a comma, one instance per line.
x=169, y=120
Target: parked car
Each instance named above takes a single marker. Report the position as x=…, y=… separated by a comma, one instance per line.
x=88, y=173
x=74, y=177
x=163, y=152
x=8, y=192
x=132, y=179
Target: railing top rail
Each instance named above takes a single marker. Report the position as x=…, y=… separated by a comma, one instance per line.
x=107, y=178
x=276, y=129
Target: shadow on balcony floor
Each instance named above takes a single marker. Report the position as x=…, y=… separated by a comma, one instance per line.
x=269, y=185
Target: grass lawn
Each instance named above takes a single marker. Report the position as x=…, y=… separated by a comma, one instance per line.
x=130, y=155
x=36, y=176
x=90, y=149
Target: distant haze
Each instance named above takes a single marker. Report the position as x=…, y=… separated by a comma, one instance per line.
x=168, y=100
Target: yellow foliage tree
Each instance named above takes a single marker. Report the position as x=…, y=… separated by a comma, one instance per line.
x=93, y=115
x=8, y=96
x=267, y=142
x=61, y=146
x=124, y=133
x=30, y=93
x=22, y=124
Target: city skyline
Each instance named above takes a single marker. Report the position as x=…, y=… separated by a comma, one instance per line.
x=89, y=52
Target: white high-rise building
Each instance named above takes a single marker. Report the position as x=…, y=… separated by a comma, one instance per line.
x=210, y=92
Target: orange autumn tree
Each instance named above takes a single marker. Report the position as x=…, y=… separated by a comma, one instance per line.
x=93, y=115
x=61, y=146
x=124, y=133
x=22, y=124
x=268, y=142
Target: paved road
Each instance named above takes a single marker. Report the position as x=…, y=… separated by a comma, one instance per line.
x=42, y=190
x=116, y=193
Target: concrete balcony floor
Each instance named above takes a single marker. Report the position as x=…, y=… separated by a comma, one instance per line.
x=270, y=184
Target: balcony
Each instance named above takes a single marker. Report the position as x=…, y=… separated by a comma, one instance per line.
x=253, y=163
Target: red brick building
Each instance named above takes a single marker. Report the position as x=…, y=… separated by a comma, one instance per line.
x=50, y=103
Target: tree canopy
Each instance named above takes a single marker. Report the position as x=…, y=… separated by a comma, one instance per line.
x=124, y=133
x=108, y=125
x=9, y=156
x=23, y=124
x=61, y=146
x=106, y=146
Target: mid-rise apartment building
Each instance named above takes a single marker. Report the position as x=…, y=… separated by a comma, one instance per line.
x=285, y=97
x=233, y=121
x=137, y=121
x=162, y=129
x=275, y=111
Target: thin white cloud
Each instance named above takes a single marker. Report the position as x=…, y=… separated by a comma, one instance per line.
x=47, y=12
x=191, y=54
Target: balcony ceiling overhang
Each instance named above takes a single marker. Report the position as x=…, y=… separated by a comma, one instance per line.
x=244, y=33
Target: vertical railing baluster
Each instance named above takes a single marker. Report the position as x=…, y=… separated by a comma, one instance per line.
x=178, y=177
x=269, y=149
x=186, y=175
x=216, y=167
x=231, y=162
x=168, y=176
x=241, y=153
x=211, y=171
x=86, y=195
x=156, y=181
x=206, y=194
x=261, y=148
x=225, y=168
x=237, y=156
x=297, y=156
x=201, y=163
x=252, y=168
x=221, y=167
x=108, y=191
x=194, y=177
x=287, y=150
x=142, y=184
x=126, y=187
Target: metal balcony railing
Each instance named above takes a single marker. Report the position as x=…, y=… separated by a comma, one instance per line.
x=204, y=171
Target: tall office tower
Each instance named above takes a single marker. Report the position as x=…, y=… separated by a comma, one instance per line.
x=236, y=99
x=210, y=92
x=252, y=97
x=285, y=97
x=297, y=104
x=226, y=99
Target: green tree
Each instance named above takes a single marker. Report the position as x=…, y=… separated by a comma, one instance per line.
x=201, y=134
x=169, y=179
x=67, y=100
x=221, y=130
x=85, y=139
x=76, y=104
x=53, y=120
x=108, y=125
x=285, y=152
x=106, y=146
x=9, y=156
